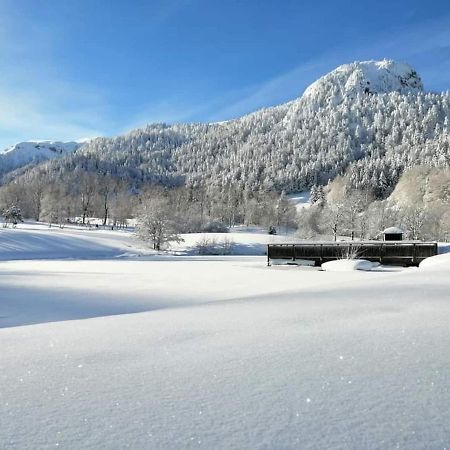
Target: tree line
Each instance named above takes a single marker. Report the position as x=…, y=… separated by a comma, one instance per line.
x=420, y=204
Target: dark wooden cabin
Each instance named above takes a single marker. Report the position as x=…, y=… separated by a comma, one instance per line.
x=393, y=234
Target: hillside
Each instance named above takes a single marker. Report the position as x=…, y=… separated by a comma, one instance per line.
x=33, y=152
x=369, y=119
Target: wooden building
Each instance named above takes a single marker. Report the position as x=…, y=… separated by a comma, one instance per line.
x=393, y=234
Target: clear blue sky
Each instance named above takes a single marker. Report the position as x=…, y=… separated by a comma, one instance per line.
x=72, y=69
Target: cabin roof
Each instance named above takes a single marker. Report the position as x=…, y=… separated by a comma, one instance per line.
x=393, y=230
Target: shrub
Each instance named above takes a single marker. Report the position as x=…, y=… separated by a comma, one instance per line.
x=210, y=246
x=215, y=226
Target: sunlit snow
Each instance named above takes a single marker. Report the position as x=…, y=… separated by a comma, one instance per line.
x=111, y=351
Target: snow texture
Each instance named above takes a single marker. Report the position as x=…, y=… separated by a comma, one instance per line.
x=436, y=262
x=38, y=241
x=393, y=230
x=345, y=265
x=366, y=77
x=224, y=353
x=25, y=153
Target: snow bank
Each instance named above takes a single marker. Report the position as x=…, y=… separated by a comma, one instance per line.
x=345, y=265
x=436, y=262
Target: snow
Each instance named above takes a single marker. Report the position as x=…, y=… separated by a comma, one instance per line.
x=244, y=240
x=300, y=199
x=345, y=265
x=365, y=77
x=37, y=241
x=393, y=230
x=25, y=153
x=216, y=352
x=436, y=262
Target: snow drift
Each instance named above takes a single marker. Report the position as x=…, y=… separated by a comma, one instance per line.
x=436, y=262
x=345, y=265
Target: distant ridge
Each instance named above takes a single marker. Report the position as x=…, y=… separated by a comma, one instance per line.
x=34, y=152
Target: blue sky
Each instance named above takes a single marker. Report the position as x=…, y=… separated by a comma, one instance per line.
x=72, y=69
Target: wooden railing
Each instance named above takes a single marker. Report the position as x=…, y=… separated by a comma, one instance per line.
x=385, y=252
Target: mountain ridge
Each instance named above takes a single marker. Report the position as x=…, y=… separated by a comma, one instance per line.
x=34, y=152
x=373, y=136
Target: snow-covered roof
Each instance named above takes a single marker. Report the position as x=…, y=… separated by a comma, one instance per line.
x=393, y=230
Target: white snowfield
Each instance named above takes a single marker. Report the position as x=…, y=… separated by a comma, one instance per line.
x=216, y=352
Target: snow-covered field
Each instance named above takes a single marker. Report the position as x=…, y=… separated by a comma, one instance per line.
x=103, y=348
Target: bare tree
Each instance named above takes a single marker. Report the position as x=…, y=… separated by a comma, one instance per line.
x=414, y=218
x=35, y=193
x=157, y=223
x=86, y=190
x=121, y=208
x=107, y=189
x=286, y=214
x=56, y=205
x=354, y=204
x=334, y=217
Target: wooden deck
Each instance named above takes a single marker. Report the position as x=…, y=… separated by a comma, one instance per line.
x=402, y=253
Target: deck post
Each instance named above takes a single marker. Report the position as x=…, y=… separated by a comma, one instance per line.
x=268, y=258
x=293, y=252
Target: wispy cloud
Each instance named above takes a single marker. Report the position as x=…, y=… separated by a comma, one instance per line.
x=53, y=117
x=36, y=102
x=170, y=110
x=176, y=110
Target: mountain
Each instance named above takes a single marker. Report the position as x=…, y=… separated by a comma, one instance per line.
x=367, y=77
x=34, y=152
x=367, y=120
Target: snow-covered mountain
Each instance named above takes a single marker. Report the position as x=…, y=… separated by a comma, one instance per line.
x=366, y=77
x=33, y=152
x=369, y=120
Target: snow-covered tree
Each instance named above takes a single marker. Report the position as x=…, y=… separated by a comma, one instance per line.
x=157, y=223
x=12, y=215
